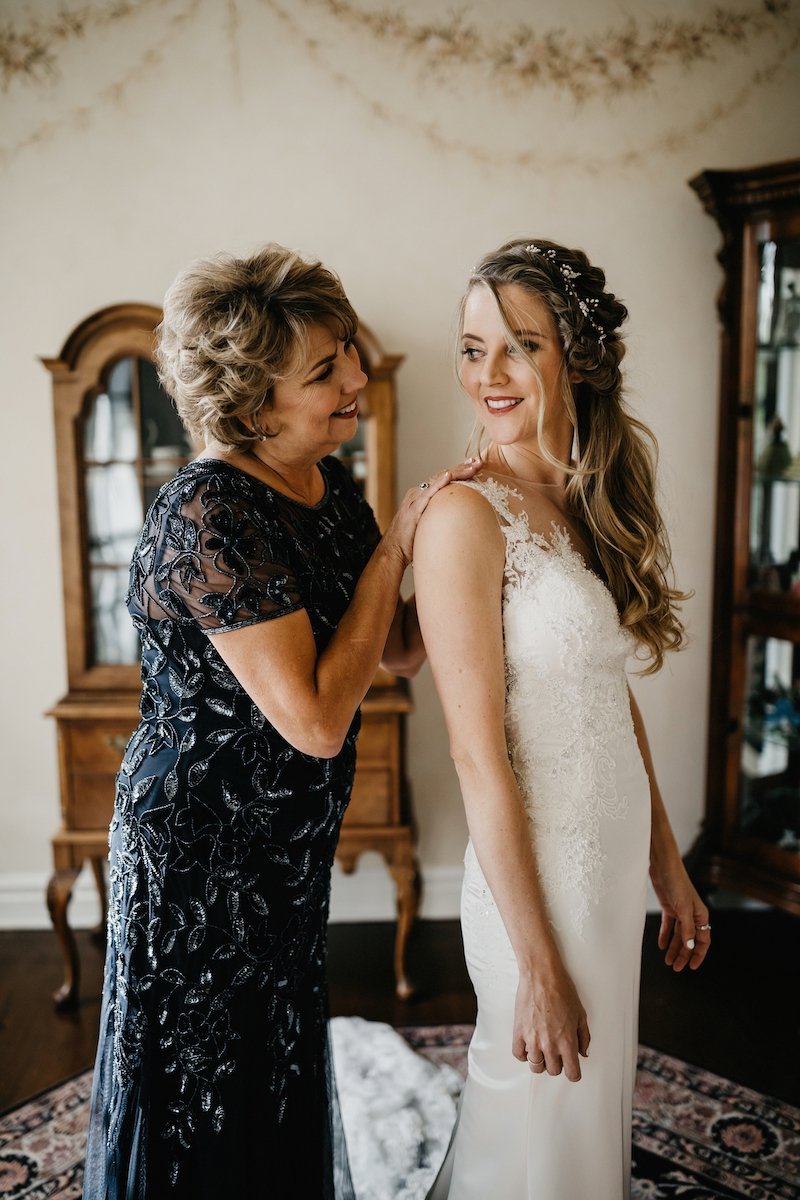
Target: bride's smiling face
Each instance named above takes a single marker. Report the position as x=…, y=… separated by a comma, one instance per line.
x=503, y=385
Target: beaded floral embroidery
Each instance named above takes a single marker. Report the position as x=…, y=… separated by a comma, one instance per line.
x=223, y=834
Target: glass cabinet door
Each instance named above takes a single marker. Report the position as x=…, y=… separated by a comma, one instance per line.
x=769, y=802
x=775, y=495
x=133, y=442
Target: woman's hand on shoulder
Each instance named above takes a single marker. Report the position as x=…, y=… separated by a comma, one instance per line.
x=399, y=537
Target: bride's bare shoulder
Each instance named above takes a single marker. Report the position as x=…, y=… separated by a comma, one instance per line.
x=456, y=503
x=459, y=517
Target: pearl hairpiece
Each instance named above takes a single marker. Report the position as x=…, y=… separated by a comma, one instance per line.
x=587, y=307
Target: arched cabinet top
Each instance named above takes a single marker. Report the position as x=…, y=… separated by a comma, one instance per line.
x=109, y=333
x=129, y=328
x=375, y=362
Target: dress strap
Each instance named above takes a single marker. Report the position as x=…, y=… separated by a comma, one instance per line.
x=497, y=494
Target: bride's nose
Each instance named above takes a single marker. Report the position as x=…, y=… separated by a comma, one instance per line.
x=493, y=369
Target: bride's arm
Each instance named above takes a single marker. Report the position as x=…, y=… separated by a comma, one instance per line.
x=458, y=573
x=684, y=933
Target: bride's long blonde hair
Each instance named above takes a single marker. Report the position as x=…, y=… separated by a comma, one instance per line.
x=611, y=482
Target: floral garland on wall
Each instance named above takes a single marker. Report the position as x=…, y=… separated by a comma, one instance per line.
x=620, y=61
x=114, y=93
x=31, y=53
x=617, y=61
x=669, y=142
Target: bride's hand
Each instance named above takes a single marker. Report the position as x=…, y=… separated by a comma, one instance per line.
x=685, y=931
x=551, y=1031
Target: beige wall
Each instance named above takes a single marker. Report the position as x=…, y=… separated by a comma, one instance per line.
x=185, y=128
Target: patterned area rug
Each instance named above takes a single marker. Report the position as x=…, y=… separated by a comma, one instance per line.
x=696, y=1136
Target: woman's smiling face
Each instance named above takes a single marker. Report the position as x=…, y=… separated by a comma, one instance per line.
x=503, y=385
x=316, y=408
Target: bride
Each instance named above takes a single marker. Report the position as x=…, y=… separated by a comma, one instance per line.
x=535, y=583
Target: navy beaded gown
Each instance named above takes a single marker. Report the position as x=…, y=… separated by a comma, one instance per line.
x=213, y=1074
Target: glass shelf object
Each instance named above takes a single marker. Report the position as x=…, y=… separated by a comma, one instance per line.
x=133, y=442
x=769, y=802
x=775, y=493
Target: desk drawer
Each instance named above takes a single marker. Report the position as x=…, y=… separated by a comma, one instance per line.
x=379, y=741
x=91, y=801
x=371, y=802
x=97, y=747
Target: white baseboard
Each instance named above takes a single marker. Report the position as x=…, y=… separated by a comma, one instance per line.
x=23, y=903
x=366, y=895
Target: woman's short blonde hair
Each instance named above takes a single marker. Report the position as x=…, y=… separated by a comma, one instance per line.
x=233, y=327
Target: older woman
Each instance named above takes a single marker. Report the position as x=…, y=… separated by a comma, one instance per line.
x=265, y=599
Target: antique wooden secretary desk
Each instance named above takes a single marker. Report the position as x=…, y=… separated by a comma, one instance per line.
x=118, y=440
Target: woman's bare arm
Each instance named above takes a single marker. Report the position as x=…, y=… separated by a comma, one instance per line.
x=458, y=569
x=404, y=652
x=309, y=698
x=683, y=913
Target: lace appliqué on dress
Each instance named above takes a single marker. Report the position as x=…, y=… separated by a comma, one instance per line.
x=567, y=702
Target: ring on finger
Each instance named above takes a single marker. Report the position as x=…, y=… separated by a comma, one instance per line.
x=424, y=485
x=539, y=1062
x=702, y=928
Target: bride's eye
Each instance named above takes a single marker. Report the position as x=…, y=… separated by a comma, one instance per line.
x=470, y=352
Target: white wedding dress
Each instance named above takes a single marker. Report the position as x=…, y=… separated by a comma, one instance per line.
x=521, y=1136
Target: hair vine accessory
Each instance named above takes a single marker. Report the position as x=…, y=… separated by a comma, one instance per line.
x=587, y=306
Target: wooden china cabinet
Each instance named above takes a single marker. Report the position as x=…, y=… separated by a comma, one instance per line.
x=750, y=841
x=118, y=439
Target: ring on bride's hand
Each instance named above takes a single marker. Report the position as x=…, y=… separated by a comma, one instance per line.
x=702, y=928
x=539, y=1062
x=424, y=485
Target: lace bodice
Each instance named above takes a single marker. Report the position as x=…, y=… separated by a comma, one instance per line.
x=568, y=719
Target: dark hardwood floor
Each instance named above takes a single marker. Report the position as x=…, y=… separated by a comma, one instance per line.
x=739, y=1016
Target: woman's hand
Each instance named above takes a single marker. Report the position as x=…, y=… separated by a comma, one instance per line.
x=550, y=1027
x=399, y=537
x=685, y=932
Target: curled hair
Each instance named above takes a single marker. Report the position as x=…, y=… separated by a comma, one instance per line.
x=611, y=484
x=233, y=327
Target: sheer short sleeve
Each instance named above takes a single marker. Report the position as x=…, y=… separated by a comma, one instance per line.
x=224, y=559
